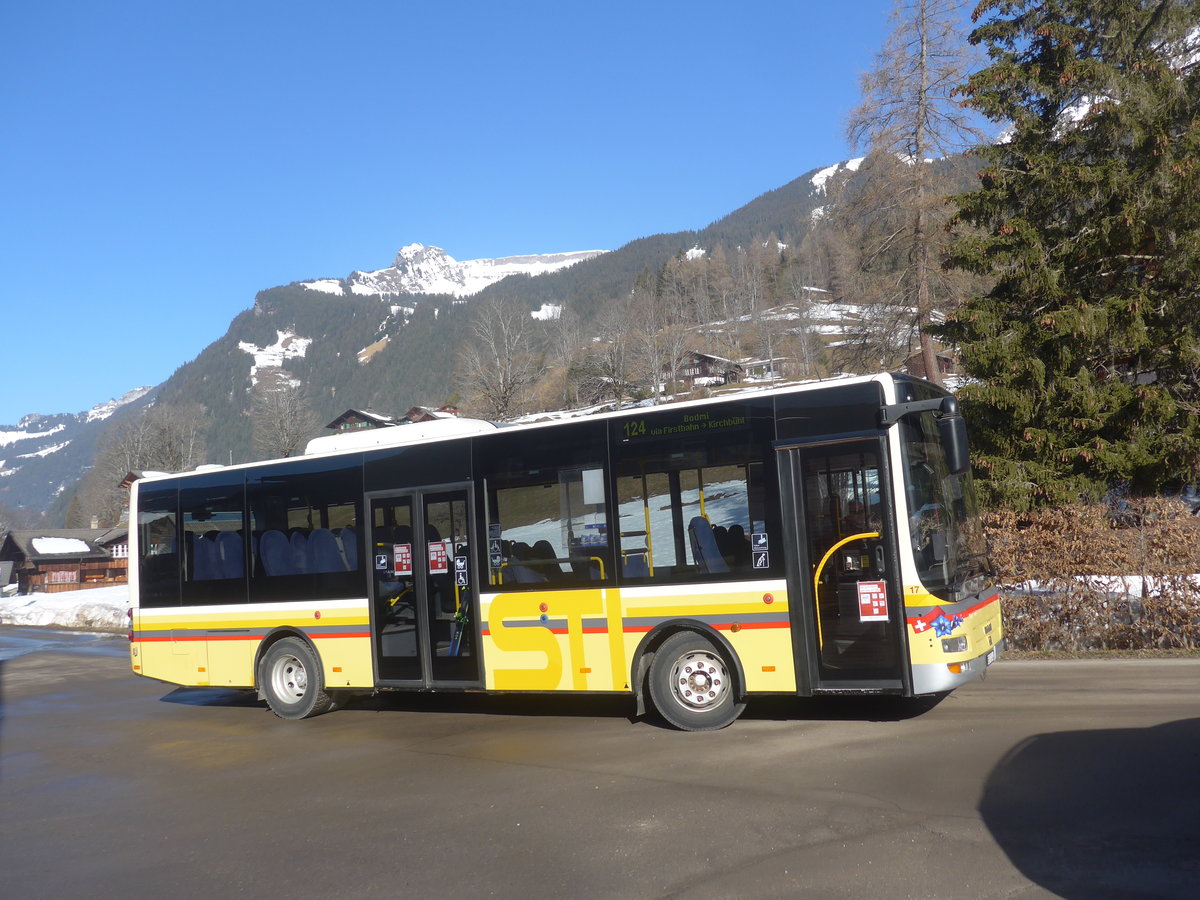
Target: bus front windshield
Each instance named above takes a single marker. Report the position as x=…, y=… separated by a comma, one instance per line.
x=943, y=515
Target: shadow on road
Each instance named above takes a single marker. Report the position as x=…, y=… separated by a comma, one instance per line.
x=841, y=709
x=212, y=696
x=1095, y=814
x=865, y=708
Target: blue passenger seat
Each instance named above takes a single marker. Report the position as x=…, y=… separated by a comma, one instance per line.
x=704, y=547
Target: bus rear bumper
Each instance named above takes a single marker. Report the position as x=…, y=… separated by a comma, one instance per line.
x=938, y=678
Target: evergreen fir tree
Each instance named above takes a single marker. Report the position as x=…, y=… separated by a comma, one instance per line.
x=1087, y=349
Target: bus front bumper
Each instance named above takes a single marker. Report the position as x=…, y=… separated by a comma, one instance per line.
x=937, y=678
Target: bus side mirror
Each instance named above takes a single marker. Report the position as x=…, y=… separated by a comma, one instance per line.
x=952, y=429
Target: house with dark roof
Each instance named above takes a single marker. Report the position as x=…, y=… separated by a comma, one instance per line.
x=427, y=414
x=358, y=419
x=706, y=370
x=69, y=559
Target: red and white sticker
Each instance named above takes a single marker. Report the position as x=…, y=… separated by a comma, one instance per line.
x=402, y=557
x=872, y=601
x=439, y=559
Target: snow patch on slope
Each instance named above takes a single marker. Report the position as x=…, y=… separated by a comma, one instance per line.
x=822, y=177
x=287, y=346
x=8, y=438
x=45, y=451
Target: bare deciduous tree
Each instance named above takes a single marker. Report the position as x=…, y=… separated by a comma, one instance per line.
x=910, y=110
x=564, y=339
x=163, y=438
x=501, y=363
x=281, y=419
x=607, y=371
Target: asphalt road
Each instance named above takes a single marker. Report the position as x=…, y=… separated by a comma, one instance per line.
x=1076, y=779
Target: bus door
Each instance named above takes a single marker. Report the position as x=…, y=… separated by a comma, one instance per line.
x=837, y=519
x=423, y=601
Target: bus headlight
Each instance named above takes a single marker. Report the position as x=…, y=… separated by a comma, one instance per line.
x=954, y=644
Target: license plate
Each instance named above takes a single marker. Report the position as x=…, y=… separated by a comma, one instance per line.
x=990, y=658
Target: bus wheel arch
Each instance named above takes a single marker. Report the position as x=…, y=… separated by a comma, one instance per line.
x=290, y=676
x=691, y=675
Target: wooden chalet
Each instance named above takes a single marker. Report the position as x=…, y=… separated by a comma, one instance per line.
x=706, y=370
x=426, y=414
x=765, y=369
x=51, y=561
x=358, y=419
x=946, y=362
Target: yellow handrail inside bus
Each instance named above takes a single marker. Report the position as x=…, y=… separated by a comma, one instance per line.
x=649, y=541
x=817, y=577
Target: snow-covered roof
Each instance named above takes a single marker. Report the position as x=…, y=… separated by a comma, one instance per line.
x=71, y=543
x=50, y=545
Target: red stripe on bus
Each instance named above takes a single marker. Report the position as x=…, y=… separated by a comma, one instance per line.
x=643, y=629
x=966, y=612
x=241, y=637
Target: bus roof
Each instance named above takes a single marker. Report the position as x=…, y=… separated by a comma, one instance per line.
x=445, y=429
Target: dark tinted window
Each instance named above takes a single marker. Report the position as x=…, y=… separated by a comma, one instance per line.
x=837, y=409
x=396, y=468
x=305, y=521
x=158, y=544
x=211, y=508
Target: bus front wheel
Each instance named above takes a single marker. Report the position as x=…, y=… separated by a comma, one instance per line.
x=291, y=680
x=692, y=685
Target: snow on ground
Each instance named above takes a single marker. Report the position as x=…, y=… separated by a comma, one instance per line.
x=93, y=608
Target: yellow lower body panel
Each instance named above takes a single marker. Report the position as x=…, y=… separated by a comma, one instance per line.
x=586, y=640
x=219, y=645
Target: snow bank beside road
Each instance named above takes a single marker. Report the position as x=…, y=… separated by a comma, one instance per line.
x=94, y=608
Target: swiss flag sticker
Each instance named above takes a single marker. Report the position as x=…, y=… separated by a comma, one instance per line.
x=872, y=601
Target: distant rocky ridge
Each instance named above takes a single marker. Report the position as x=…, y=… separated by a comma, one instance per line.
x=419, y=269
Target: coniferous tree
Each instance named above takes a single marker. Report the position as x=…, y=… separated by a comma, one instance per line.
x=1087, y=349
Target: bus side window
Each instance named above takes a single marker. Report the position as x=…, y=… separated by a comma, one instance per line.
x=549, y=531
x=686, y=523
x=304, y=518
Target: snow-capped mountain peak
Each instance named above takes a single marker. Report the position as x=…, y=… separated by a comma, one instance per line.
x=419, y=269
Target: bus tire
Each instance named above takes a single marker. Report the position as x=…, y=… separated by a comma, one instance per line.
x=692, y=684
x=292, y=680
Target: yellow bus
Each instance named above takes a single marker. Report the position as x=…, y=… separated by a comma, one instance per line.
x=808, y=540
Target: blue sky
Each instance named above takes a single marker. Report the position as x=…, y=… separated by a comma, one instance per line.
x=162, y=162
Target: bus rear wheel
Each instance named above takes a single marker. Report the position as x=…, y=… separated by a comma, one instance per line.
x=691, y=684
x=292, y=681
